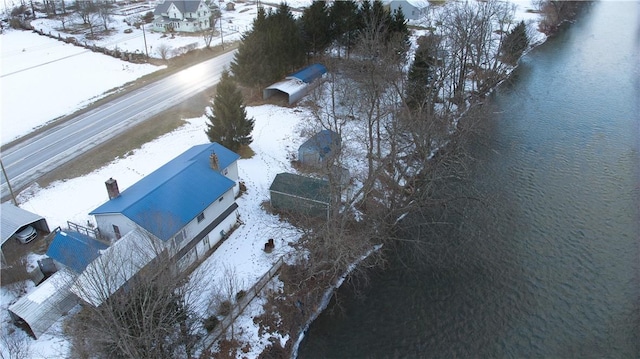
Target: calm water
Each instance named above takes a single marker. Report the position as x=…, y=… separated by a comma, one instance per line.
x=557, y=272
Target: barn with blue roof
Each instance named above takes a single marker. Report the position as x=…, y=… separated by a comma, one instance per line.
x=298, y=84
x=188, y=203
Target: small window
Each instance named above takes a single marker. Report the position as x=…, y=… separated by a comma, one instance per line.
x=116, y=230
x=201, y=217
x=220, y=199
x=179, y=237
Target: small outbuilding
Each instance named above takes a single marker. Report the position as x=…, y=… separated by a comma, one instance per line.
x=299, y=194
x=319, y=147
x=37, y=311
x=297, y=85
x=13, y=219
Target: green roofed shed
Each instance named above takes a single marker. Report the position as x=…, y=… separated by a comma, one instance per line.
x=299, y=194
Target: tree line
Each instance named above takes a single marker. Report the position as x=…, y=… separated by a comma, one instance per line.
x=279, y=44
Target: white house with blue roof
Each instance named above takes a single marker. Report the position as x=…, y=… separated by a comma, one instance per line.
x=188, y=204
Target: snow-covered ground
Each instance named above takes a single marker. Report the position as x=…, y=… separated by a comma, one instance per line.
x=31, y=95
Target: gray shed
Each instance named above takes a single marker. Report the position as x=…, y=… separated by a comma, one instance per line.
x=299, y=194
x=37, y=311
x=319, y=147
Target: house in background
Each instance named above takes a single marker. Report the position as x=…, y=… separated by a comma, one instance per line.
x=297, y=85
x=319, y=148
x=412, y=9
x=188, y=204
x=182, y=16
x=299, y=194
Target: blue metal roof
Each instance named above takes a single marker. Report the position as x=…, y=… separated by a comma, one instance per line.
x=172, y=196
x=74, y=250
x=310, y=73
x=322, y=142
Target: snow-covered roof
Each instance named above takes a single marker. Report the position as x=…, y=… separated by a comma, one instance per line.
x=47, y=303
x=13, y=218
x=172, y=196
x=183, y=6
x=117, y=264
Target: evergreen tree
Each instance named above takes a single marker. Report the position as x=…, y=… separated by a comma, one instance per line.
x=399, y=27
x=228, y=124
x=515, y=43
x=316, y=27
x=344, y=23
x=420, y=88
x=271, y=50
x=248, y=63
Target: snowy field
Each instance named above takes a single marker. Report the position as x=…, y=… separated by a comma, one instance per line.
x=31, y=95
x=42, y=79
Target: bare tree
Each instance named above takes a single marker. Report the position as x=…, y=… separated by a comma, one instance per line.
x=87, y=11
x=14, y=346
x=164, y=50
x=104, y=13
x=151, y=314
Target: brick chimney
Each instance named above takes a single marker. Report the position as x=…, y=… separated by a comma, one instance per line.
x=112, y=188
x=213, y=161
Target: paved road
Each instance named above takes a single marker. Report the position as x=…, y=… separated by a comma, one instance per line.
x=25, y=162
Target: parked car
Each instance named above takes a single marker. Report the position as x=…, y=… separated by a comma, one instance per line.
x=26, y=234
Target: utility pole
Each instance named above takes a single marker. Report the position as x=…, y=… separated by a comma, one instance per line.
x=144, y=36
x=13, y=197
x=221, y=36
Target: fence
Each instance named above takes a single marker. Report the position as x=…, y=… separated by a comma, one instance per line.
x=241, y=304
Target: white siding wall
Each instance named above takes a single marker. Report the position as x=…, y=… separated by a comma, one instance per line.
x=198, y=252
x=231, y=172
x=106, y=222
x=210, y=214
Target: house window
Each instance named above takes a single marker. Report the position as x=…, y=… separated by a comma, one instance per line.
x=179, y=237
x=116, y=230
x=201, y=217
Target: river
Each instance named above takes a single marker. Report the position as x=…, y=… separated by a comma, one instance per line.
x=556, y=272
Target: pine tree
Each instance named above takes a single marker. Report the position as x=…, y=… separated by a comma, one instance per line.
x=271, y=50
x=228, y=124
x=420, y=91
x=515, y=43
x=344, y=23
x=316, y=26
